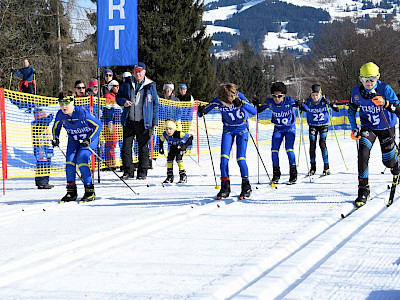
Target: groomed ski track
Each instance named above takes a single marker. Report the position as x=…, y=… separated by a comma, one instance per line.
x=178, y=242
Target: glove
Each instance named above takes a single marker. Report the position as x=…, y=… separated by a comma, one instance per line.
x=379, y=101
x=237, y=102
x=356, y=134
x=14, y=70
x=34, y=72
x=256, y=101
x=201, y=110
x=335, y=107
x=55, y=142
x=85, y=142
x=161, y=150
x=300, y=105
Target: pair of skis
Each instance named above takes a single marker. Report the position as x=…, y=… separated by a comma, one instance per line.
x=392, y=193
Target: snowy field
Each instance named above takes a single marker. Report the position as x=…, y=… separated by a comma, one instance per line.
x=176, y=242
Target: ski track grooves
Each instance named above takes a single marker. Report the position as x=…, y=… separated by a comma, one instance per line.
x=44, y=261
x=299, y=258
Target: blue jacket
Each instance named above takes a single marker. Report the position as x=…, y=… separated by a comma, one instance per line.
x=27, y=73
x=150, y=102
x=370, y=114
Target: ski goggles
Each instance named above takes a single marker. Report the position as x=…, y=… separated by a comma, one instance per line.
x=66, y=100
x=368, y=79
x=277, y=96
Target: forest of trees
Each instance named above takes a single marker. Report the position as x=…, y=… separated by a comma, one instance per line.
x=175, y=47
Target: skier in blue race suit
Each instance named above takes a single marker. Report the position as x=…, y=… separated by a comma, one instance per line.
x=235, y=110
x=318, y=119
x=378, y=106
x=83, y=131
x=284, y=118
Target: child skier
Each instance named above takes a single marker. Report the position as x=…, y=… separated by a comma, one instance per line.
x=179, y=142
x=83, y=131
x=235, y=110
x=284, y=118
x=318, y=119
x=378, y=105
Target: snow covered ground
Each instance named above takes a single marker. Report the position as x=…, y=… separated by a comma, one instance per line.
x=176, y=242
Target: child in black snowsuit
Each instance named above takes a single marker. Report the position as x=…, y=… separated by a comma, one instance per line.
x=179, y=141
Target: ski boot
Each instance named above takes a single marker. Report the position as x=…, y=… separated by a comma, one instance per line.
x=71, y=195
x=182, y=177
x=170, y=176
x=293, y=175
x=313, y=169
x=363, y=196
x=276, y=174
x=89, y=194
x=246, y=190
x=326, y=170
x=225, y=189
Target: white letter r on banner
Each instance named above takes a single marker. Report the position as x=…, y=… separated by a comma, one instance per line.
x=112, y=7
x=116, y=34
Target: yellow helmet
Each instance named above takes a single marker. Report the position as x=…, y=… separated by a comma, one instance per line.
x=369, y=69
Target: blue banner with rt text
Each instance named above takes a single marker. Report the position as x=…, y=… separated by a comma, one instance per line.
x=117, y=38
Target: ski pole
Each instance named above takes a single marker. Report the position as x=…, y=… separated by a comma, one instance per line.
x=383, y=172
x=304, y=144
x=301, y=138
x=9, y=87
x=258, y=152
x=334, y=131
x=80, y=177
x=209, y=149
x=108, y=166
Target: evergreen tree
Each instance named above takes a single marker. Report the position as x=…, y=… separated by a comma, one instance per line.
x=174, y=45
x=30, y=31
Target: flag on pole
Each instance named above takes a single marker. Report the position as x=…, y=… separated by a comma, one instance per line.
x=117, y=38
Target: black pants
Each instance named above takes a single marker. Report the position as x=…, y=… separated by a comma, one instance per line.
x=313, y=134
x=28, y=89
x=389, y=159
x=130, y=131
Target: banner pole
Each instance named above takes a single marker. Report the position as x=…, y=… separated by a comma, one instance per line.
x=3, y=138
x=98, y=114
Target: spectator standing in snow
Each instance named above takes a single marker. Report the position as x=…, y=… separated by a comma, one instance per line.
x=27, y=84
x=139, y=118
x=42, y=149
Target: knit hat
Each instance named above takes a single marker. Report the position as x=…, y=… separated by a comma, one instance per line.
x=316, y=88
x=108, y=71
x=167, y=86
x=170, y=124
x=127, y=74
x=93, y=83
x=112, y=83
x=369, y=69
x=183, y=86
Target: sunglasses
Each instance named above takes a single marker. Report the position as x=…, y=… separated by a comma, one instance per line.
x=116, y=86
x=277, y=96
x=80, y=87
x=368, y=79
x=108, y=75
x=95, y=87
x=65, y=101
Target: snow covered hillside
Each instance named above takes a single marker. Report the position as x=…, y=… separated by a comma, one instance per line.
x=281, y=38
x=177, y=242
